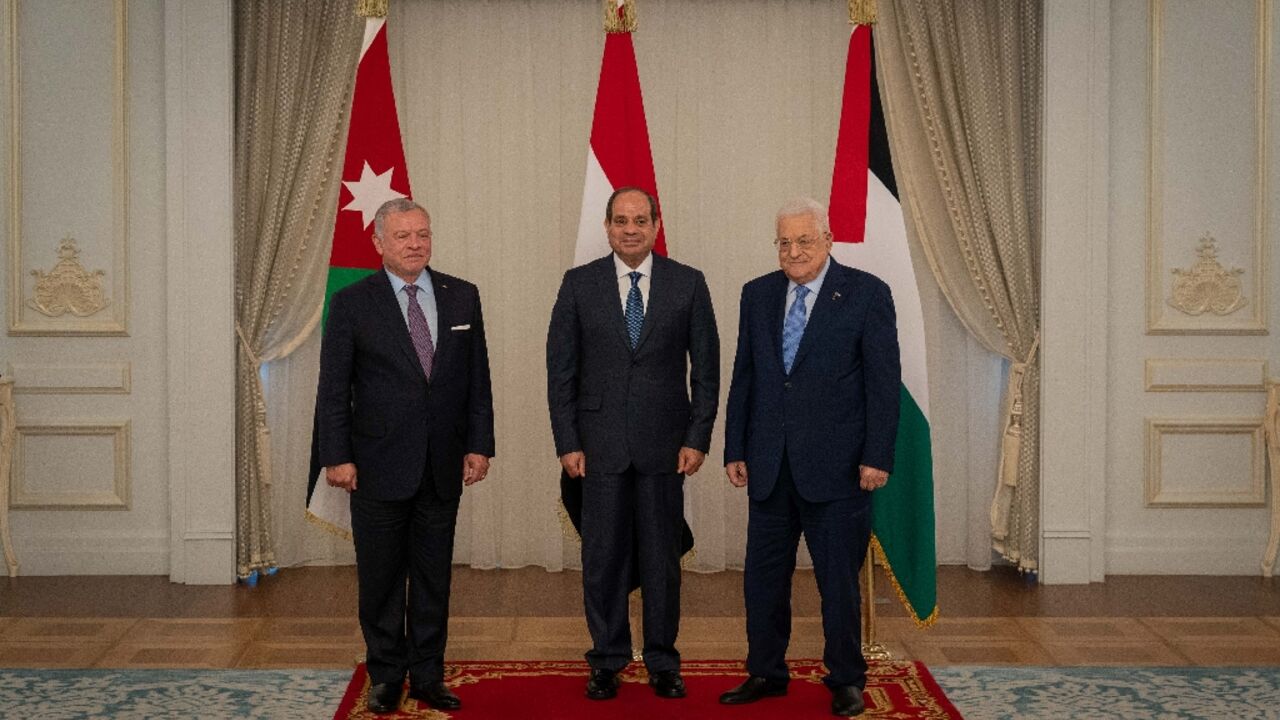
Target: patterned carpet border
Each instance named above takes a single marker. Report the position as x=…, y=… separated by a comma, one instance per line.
x=554, y=689
x=1132, y=693
x=169, y=694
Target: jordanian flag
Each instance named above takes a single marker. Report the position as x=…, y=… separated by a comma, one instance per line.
x=618, y=156
x=867, y=224
x=373, y=172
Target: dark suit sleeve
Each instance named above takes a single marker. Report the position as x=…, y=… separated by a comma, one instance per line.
x=704, y=368
x=883, y=373
x=333, y=392
x=480, y=398
x=562, y=370
x=735, y=425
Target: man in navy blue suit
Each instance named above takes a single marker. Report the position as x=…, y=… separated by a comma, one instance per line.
x=812, y=421
x=404, y=415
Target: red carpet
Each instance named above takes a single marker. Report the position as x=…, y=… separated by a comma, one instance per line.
x=512, y=689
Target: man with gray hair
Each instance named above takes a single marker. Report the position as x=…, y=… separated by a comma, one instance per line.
x=404, y=415
x=812, y=418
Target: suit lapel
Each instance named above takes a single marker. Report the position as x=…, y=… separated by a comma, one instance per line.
x=388, y=309
x=777, y=297
x=446, y=313
x=835, y=292
x=607, y=279
x=659, y=292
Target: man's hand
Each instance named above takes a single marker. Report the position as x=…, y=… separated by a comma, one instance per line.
x=871, y=478
x=690, y=461
x=474, y=467
x=737, y=472
x=341, y=476
x=574, y=463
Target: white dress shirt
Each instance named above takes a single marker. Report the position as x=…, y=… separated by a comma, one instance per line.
x=624, y=280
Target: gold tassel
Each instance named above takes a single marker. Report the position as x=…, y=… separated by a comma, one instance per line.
x=372, y=8
x=862, y=12
x=619, y=16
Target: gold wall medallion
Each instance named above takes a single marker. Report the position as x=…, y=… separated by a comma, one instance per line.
x=68, y=287
x=1207, y=286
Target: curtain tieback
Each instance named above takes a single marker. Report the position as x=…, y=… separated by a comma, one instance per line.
x=1010, y=445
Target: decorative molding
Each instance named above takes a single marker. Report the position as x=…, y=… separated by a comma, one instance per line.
x=1205, y=375
x=72, y=379
x=1206, y=286
x=1234, y=552
x=117, y=498
x=34, y=318
x=1252, y=495
x=1159, y=320
x=68, y=286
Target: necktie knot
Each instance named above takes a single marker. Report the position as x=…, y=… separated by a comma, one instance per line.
x=801, y=293
x=412, y=290
x=635, y=278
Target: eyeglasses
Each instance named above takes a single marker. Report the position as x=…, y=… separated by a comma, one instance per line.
x=804, y=242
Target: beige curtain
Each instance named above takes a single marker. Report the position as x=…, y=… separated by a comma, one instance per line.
x=962, y=100
x=295, y=61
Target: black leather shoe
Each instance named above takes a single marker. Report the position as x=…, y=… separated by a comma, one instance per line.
x=755, y=688
x=436, y=694
x=667, y=684
x=602, y=685
x=384, y=698
x=846, y=701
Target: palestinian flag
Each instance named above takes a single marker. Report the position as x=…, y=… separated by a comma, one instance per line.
x=870, y=234
x=618, y=156
x=373, y=172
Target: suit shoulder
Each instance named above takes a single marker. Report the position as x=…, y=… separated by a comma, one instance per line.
x=452, y=282
x=764, y=283
x=865, y=279
x=361, y=286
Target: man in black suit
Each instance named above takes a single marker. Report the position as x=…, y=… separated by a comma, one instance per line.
x=626, y=332
x=405, y=419
x=812, y=421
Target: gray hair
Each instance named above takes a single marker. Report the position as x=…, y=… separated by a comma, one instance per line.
x=397, y=205
x=806, y=206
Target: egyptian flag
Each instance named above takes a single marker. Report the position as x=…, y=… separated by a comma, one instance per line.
x=373, y=172
x=618, y=156
x=870, y=234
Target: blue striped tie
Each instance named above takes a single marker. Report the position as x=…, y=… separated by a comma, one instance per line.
x=793, y=328
x=635, y=310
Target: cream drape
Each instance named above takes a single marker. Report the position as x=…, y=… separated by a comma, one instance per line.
x=294, y=61
x=495, y=100
x=962, y=93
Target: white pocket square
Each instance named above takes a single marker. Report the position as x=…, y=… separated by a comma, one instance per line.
x=460, y=327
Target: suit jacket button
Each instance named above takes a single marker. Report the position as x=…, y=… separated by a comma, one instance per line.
x=786, y=384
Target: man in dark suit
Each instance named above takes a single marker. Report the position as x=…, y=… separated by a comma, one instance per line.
x=405, y=419
x=626, y=332
x=812, y=421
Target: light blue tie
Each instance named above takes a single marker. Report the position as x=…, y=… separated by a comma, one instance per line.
x=793, y=328
x=635, y=310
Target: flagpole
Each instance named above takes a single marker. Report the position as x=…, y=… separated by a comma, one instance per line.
x=871, y=649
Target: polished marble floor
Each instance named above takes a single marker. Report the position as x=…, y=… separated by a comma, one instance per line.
x=305, y=617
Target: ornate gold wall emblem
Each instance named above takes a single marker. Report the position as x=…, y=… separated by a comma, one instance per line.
x=1207, y=286
x=68, y=287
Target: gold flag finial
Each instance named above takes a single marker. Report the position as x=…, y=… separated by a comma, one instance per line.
x=862, y=12
x=372, y=8
x=619, y=16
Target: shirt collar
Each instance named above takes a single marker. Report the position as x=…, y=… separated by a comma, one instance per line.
x=814, y=285
x=397, y=284
x=623, y=270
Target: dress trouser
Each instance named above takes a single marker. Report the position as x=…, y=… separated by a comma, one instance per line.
x=837, y=533
x=624, y=517
x=397, y=540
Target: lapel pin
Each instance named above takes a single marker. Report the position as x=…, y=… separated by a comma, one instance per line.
x=835, y=295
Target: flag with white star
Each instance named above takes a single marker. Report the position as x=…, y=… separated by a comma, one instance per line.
x=373, y=172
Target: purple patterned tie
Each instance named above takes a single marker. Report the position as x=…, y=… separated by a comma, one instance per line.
x=420, y=331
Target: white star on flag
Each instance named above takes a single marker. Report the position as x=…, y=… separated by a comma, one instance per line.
x=370, y=192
